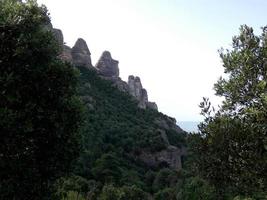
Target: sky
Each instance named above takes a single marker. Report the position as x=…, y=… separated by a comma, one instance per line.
x=172, y=45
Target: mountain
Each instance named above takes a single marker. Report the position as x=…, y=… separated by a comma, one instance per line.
x=126, y=142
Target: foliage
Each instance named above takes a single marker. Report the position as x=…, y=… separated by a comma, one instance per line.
x=40, y=112
x=195, y=188
x=107, y=168
x=73, y=186
x=231, y=148
x=165, y=178
x=133, y=193
x=166, y=193
x=109, y=192
x=115, y=133
x=40, y=122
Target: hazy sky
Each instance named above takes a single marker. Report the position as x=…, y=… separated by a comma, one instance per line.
x=170, y=44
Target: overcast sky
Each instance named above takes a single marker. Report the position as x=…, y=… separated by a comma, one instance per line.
x=170, y=44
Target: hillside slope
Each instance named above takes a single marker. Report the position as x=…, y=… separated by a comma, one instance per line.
x=122, y=142
x=126, y=142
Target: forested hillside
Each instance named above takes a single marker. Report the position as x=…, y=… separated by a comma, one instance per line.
x=116, y=135
x=73, y=131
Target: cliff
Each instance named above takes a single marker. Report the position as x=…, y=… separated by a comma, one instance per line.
x=107, y=67
x=166, y=152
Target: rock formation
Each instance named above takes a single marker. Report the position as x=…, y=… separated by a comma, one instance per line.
x=65, y=50
x=108, y=69
x=168, y=123
x=66, y=54
x=137, y=91
x=107, y=66
x=152, y=105
x=59, y=37
x=135, y=87
x=169, y=157
x=81, y=55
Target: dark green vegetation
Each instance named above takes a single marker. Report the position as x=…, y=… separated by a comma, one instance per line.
x=40, y=111
x=230, y=152
x=41, y=114
x=54, y=146
x=115, y=133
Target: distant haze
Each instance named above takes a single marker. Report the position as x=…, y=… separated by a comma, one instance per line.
x=188, y=126
x=171, y=45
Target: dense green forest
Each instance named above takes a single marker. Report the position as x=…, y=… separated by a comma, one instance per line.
x=68, y=134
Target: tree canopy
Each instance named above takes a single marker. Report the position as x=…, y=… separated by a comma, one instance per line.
x=40, y=113
x=232, y=145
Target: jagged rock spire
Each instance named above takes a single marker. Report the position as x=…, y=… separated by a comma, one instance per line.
x=136, y=90
x=81, y=55
x=107, y=66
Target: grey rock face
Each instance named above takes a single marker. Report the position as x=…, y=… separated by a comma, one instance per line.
x=81, y=55
x=66, y=54
x=170, y=157
x=107, y=66
x=136, y=90
x=152, y=105
x=121, y=85
x=59, y=37
x=164, y=137
x=169, y=124
x=143, y=99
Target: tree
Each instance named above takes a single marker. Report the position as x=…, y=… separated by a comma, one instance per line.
x=232, y=145
x=40, y=113
x=109, y=192
x=74, y=186
x=166, y=193
x=107, y=168
x=195, y=188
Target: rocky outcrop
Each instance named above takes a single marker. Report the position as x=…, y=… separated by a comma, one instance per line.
x=138, y=92
x=121, y=85
x=59, y=37
x=135, y=87
x=65, y=51
x=81, y=55
x=169, y=157
x=66, y=54
x=107, y=66
x=152, y=105
x=168, y=123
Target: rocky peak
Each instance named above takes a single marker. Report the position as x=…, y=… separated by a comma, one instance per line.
x=65, y=51
x=135, y=86
x=81, y=55
x=107, y=66
x=58, y=36
x=136, y=90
